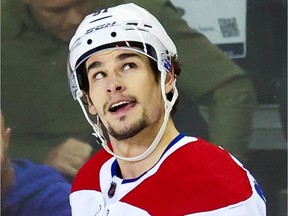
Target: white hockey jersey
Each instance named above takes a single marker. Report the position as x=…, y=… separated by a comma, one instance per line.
x=192, y=177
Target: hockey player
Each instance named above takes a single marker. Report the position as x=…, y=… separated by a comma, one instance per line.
x=124, y=66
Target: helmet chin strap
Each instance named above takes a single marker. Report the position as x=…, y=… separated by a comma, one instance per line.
x=168, y=105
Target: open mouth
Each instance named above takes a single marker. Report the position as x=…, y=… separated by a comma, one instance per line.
x=121, y=106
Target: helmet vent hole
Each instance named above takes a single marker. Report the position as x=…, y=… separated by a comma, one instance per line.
x=113, y=34
x=89, y=41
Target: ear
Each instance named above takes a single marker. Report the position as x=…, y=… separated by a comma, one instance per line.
x=170, y=79
x=91, y=107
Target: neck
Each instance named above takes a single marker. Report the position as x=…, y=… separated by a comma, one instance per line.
x=139, y=144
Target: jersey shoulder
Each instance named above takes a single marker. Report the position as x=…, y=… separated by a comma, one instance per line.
x=197, y=177
x=203, y=160
x=211, y=174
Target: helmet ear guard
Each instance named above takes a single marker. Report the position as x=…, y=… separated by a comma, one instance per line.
x=126, y=26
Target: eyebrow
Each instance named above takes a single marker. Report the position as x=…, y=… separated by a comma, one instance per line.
x=95, y=64
x=120, y=57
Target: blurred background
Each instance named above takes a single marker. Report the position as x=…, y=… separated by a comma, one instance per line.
x=49, y=127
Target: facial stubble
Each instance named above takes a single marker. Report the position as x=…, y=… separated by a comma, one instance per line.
x=131, y=130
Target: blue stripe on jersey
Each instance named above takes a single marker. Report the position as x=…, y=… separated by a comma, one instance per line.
x=179, y=137
x=259, y=191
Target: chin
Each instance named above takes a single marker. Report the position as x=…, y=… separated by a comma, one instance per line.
x=128, y=131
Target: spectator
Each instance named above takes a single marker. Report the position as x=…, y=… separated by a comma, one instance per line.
x=28, y=188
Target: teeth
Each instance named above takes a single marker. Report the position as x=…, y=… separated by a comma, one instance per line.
x=119, y=104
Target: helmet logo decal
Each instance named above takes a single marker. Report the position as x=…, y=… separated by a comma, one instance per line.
x=97, y=12
x=100, y=27
x=167, y=65
x=73, y=85
x=165, y=61
x=105, y=25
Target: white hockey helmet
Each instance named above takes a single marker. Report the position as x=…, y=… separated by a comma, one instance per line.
x=125, y=26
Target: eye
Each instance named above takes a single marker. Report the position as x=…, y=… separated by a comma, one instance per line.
x=98, y=75
x=128, y=66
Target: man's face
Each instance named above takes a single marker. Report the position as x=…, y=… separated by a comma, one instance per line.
x=61, y=17
x=124, y=92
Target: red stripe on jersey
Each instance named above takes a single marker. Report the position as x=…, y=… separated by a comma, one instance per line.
x=198, y=177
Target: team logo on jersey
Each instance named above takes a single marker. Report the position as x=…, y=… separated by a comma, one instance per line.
x=112, y=189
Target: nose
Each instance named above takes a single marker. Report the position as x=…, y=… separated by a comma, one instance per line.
x=114, y=85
